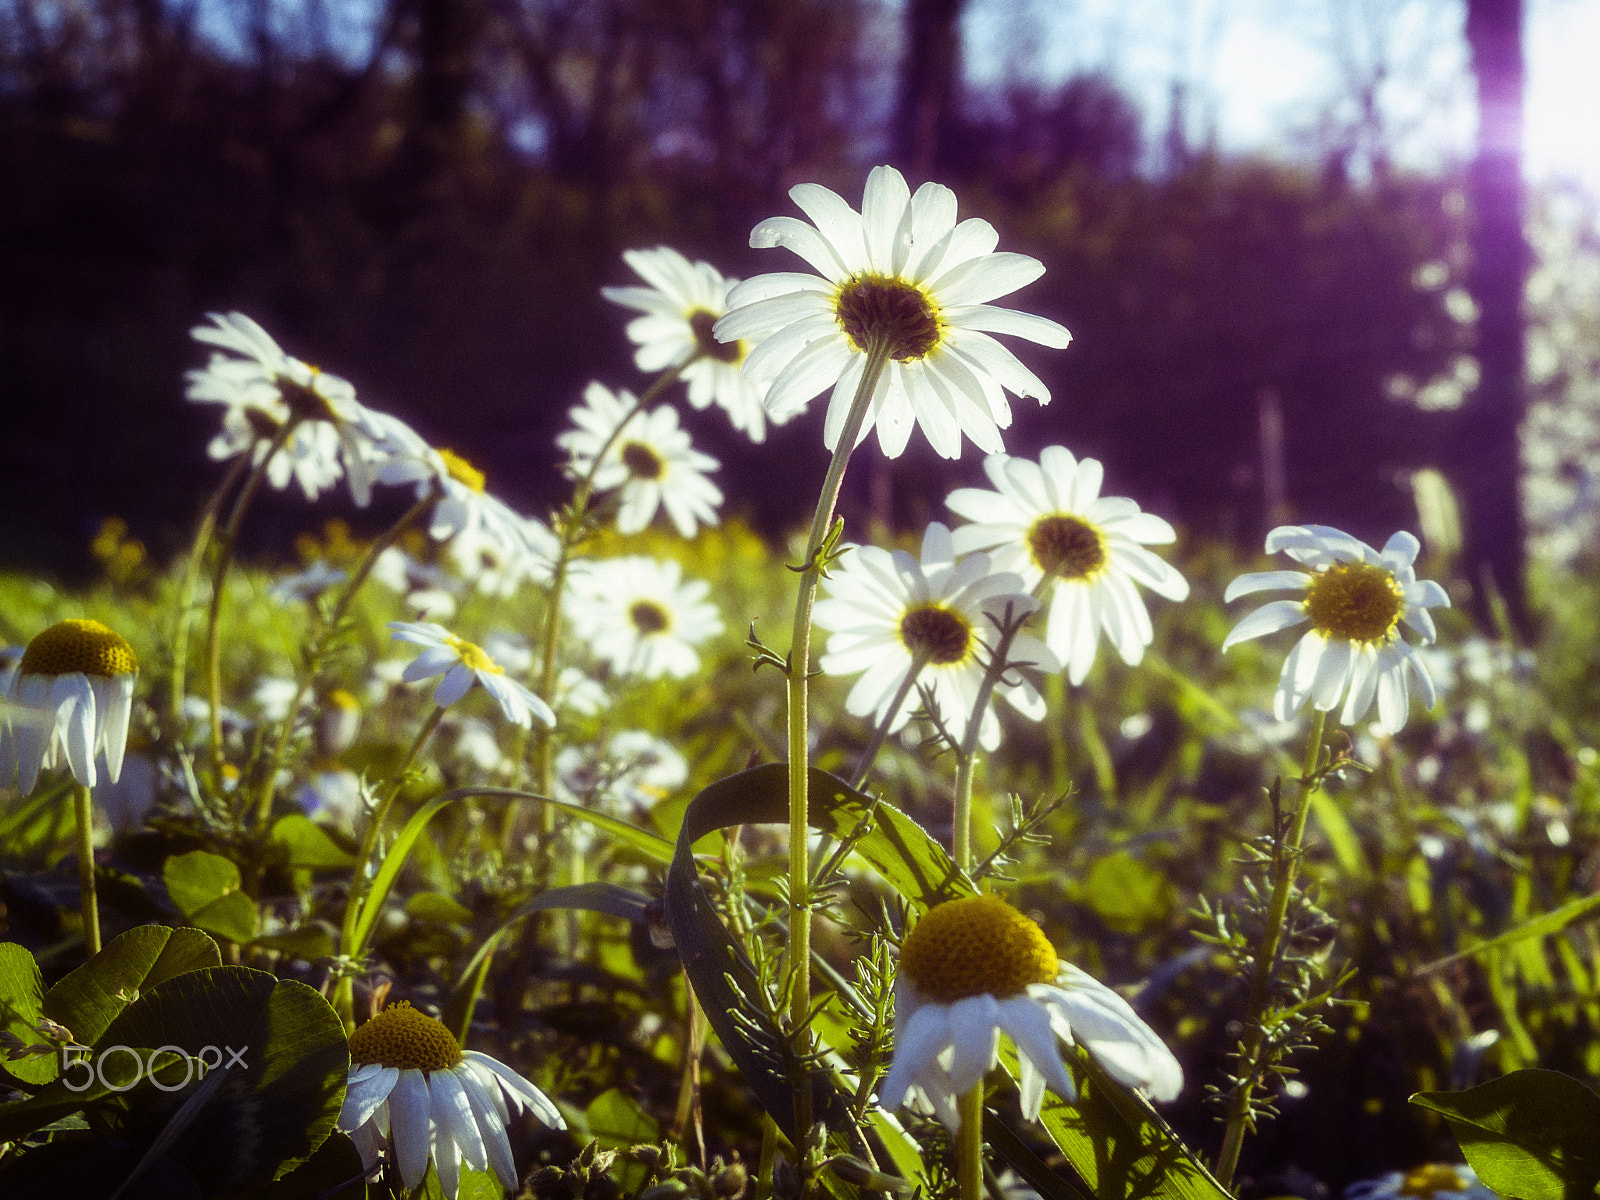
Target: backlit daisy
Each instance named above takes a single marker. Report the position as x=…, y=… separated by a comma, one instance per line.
x=887, y=608
x=681, y=305
x=1050, y=516
x=462, y=664
x=975, y=968
x=638, y=615
x=264, y=387
x=69, y=698
x=1355, y=600
x=904, y=271
x=414, y=1094
x=651, y=461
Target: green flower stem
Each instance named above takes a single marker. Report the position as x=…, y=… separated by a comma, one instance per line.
x=344, y=989
x=84, y=813
x=969, y=1143
x=219, y=576
x=1285, y=864
x=967, y=755
x=191, y=577
x=877, y=356
x=573, y=531
x=330, y=629
x=918, y=661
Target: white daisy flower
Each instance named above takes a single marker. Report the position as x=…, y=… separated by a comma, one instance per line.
x=310, y=458
x=1355, y=599
x=262, y=388
x=638, y=615
x=333, y=795
x=462, y=664
x=414, y=1094
x=681, y=305
x=886, y=608
x=582, y=695
x=651, y=460
x=1050, y=516
x=635, y=771
x=905, y=271
x=1430, y=1181
x=70, y=697
x=304, y=586
x=975, y=968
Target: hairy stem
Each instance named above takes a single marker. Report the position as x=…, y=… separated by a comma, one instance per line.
x=191, y=576
x=84, y=813
x=1286, y=863
x=918, y=661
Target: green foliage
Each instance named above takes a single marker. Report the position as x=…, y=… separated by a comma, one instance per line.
x=1530, y=1135
x=205, y=887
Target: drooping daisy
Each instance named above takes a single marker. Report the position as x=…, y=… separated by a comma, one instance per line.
x=904, y=271
x=414, y=1094
x=1430, y=1181
x=1050, y=516
x=681, y=305
x=1355, y=600
x=69, y=698
x=310, y=458
x=262, y=388
x=651, y=461
x=886, y=608
x=975, y=968
x=640, y=616
x=462, y=664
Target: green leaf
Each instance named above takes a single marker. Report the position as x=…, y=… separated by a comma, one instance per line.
x=21, y=1006
x=310, y=942
x=308, y=844
x=206, y=889
x=1127, y=893
x=1533, y=1135
x=616, y=1121
x=336, y=1162
x=439, y=908
x=1539, y=927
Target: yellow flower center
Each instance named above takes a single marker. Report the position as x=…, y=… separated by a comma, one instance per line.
x=305, y=401
x=75, y=645
x=461, y=470
x=706, y=346
x=1358, y=602
x=339, y=698
x=901, y=313
x=980, y=944
x=642, y=461
x=649, y=617
x=402, y=1037
x=1429, y=1178
x=933, y=630
x=1066, y=546
x=474, y=657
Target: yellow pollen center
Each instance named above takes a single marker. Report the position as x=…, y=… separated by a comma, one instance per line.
x=649, y=617
x=901, y=313
x=402, y=1037
x=642, y=461
x=935, y=631
x=461, y=470
x=1358, y=602
x=706, y=344
x=1068, y=547
x=75, y=645
x=305, y=401
x=339, y=698
x=980, y=944
x=474, y=657
x=1429, y=1178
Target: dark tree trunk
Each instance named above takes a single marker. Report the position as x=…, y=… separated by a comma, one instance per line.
x=1487, y=466
x=927, y=84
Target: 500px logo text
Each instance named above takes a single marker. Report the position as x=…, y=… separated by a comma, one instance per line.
x=144, y=1065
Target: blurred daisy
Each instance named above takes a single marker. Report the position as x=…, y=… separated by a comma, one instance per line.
x=70, y=697
x=414, y=1094
x=904, y=271
x=1430, y=1181
x=651, y=460
x=427, y=589
x=886, y=609
x=1049, y=516
x=1355, y=600
x=333, y=795
x=307, y=585
x=975, y=968
x=680, y=306
x=462, y=664
x=310, y=458
x=635, y=771
x=263, y=388
x=581, y=694
x=638, y=615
